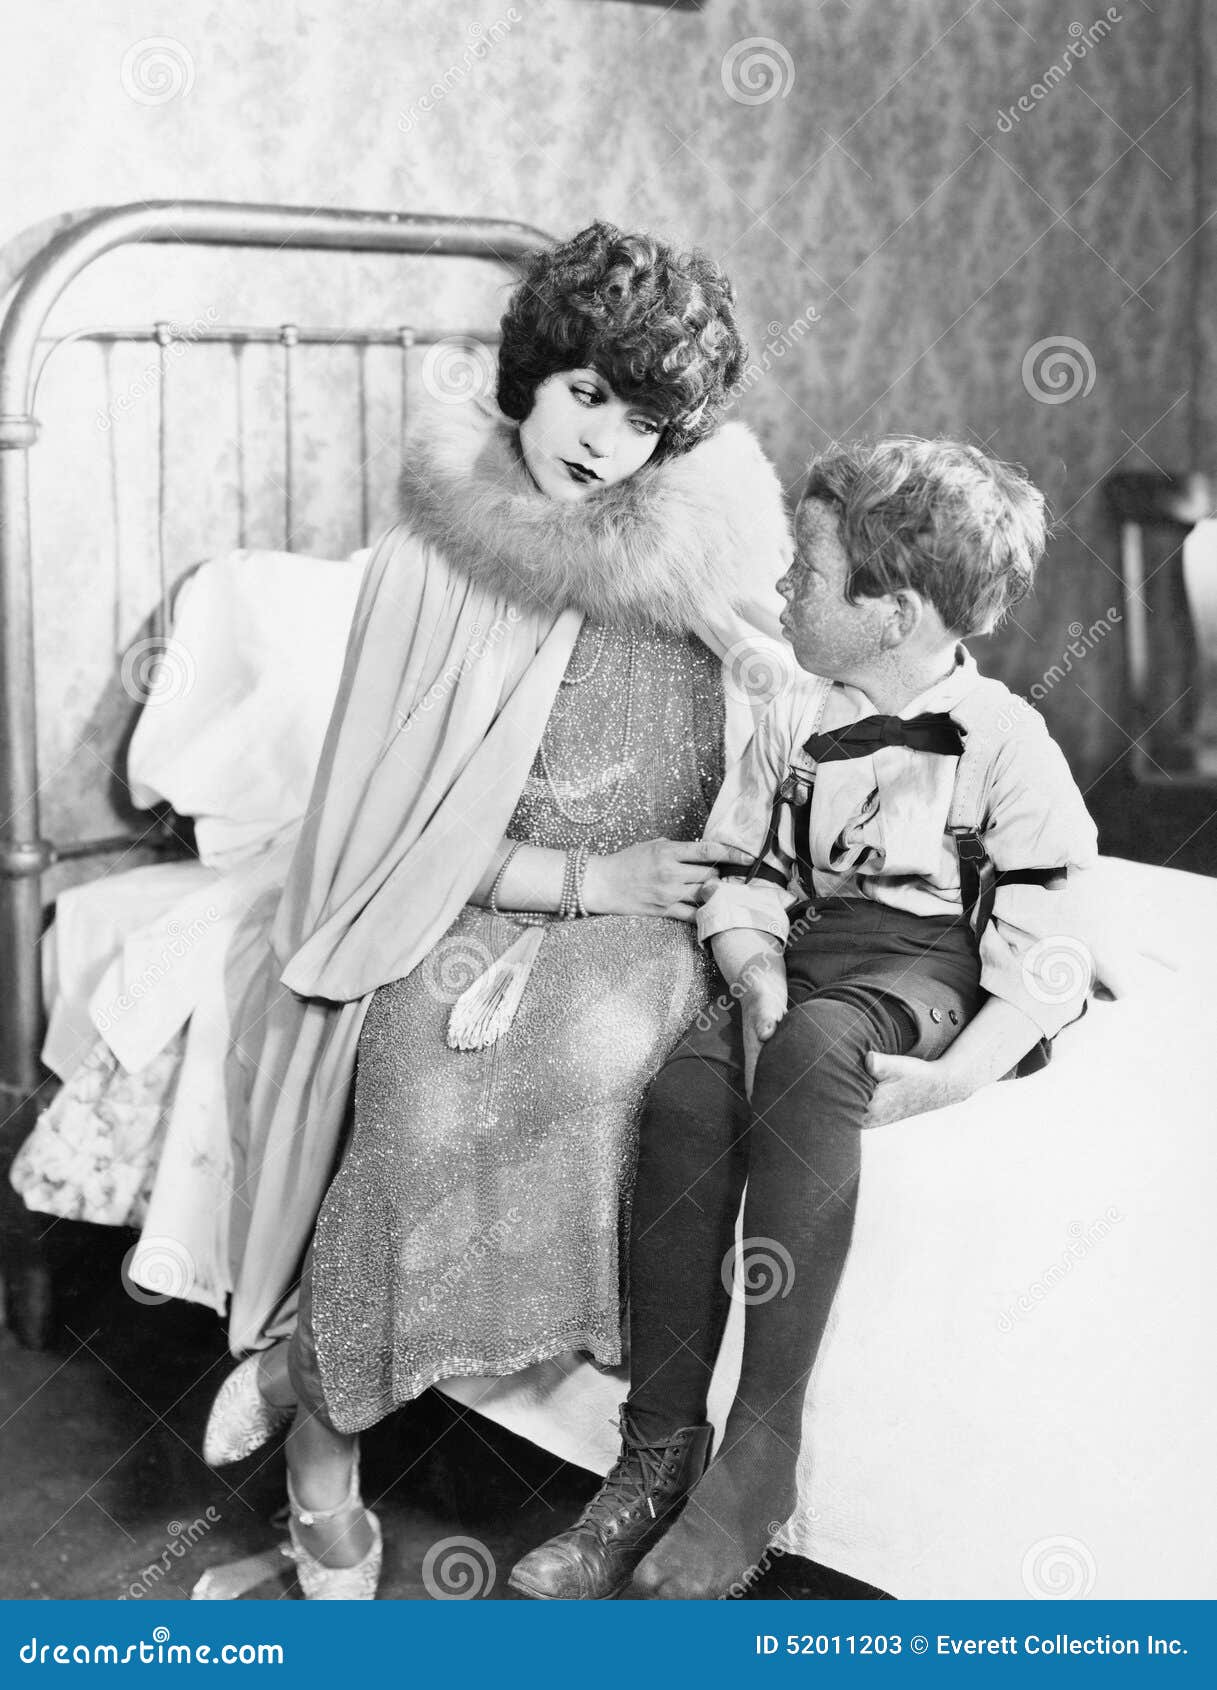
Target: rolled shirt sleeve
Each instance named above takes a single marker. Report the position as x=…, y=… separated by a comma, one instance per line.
x=740, y=817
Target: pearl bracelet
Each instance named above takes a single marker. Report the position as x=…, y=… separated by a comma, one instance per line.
x=572, y=884
x=530, y=918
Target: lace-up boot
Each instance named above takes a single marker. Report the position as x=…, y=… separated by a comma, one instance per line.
x=636, y=1504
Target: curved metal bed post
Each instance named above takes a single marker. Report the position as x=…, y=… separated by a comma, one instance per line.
x=24, y=854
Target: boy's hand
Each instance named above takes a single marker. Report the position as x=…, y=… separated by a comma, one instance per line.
x=762, y=1006
x=905, y=1085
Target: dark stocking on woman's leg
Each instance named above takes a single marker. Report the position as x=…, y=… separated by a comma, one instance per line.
x=811, y=1094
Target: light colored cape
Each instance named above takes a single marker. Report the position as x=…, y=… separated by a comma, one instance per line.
x=466, y=620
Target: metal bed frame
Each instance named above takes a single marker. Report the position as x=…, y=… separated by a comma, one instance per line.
x=25, y=855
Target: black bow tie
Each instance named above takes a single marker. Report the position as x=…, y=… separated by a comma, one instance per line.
x=934, y=732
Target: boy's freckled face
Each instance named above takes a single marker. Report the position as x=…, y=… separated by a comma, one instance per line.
x=830, y=636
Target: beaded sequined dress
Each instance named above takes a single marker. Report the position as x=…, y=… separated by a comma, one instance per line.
x=476, y=1222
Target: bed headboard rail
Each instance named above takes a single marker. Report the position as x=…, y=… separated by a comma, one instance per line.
x=24, y=853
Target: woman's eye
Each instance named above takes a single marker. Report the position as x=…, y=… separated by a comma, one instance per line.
x=588, y=395
x=645, y=425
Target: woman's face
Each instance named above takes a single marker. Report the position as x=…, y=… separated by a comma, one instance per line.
x=580, y=438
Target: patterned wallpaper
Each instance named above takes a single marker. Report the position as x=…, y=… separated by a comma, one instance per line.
x=913, y=198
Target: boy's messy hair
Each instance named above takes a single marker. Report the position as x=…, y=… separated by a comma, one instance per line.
x=659, y=325
x=957, y=526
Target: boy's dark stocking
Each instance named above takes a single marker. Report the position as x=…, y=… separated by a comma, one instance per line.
x=691, y=1171
x=804, y=1150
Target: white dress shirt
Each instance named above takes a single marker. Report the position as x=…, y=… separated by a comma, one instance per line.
x=878, y=831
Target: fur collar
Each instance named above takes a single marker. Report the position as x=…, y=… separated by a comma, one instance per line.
x=687, y=537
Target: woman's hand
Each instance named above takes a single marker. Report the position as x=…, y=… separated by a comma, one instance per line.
x=668, y=877
x=905, y=1085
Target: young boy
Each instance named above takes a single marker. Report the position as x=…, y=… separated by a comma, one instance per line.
x=866, y=945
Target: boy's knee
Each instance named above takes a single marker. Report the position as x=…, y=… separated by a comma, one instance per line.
x=820, y=1033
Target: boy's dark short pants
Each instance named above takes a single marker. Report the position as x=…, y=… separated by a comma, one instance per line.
x=855, y=948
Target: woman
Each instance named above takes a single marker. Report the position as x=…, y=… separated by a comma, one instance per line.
x=531, y=721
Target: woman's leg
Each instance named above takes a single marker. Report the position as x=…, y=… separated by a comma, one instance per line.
x=274, y=1378
x=320, y=1459
x=804, y=1151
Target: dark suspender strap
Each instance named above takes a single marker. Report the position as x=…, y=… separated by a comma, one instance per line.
x=757, y=870
x=802, y=843
x=1030, y=876
x=765, y=871
x=976, y=878
x=979, y=880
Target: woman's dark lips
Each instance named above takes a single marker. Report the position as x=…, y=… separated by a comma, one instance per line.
x=579, y=472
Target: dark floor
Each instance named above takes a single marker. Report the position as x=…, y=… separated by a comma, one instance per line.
x=101, y=1433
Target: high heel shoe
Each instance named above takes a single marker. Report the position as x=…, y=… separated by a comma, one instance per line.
x=241, y=1419
x=335, y=1584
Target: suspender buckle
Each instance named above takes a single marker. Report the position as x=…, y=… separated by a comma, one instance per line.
x=796, y=786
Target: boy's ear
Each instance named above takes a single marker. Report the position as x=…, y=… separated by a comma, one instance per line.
x=907, y=611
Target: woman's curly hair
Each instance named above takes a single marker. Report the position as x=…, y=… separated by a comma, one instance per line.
x=659, y=326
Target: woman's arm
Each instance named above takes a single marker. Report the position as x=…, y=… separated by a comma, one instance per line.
x=662, y=877
x=989, y=1046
